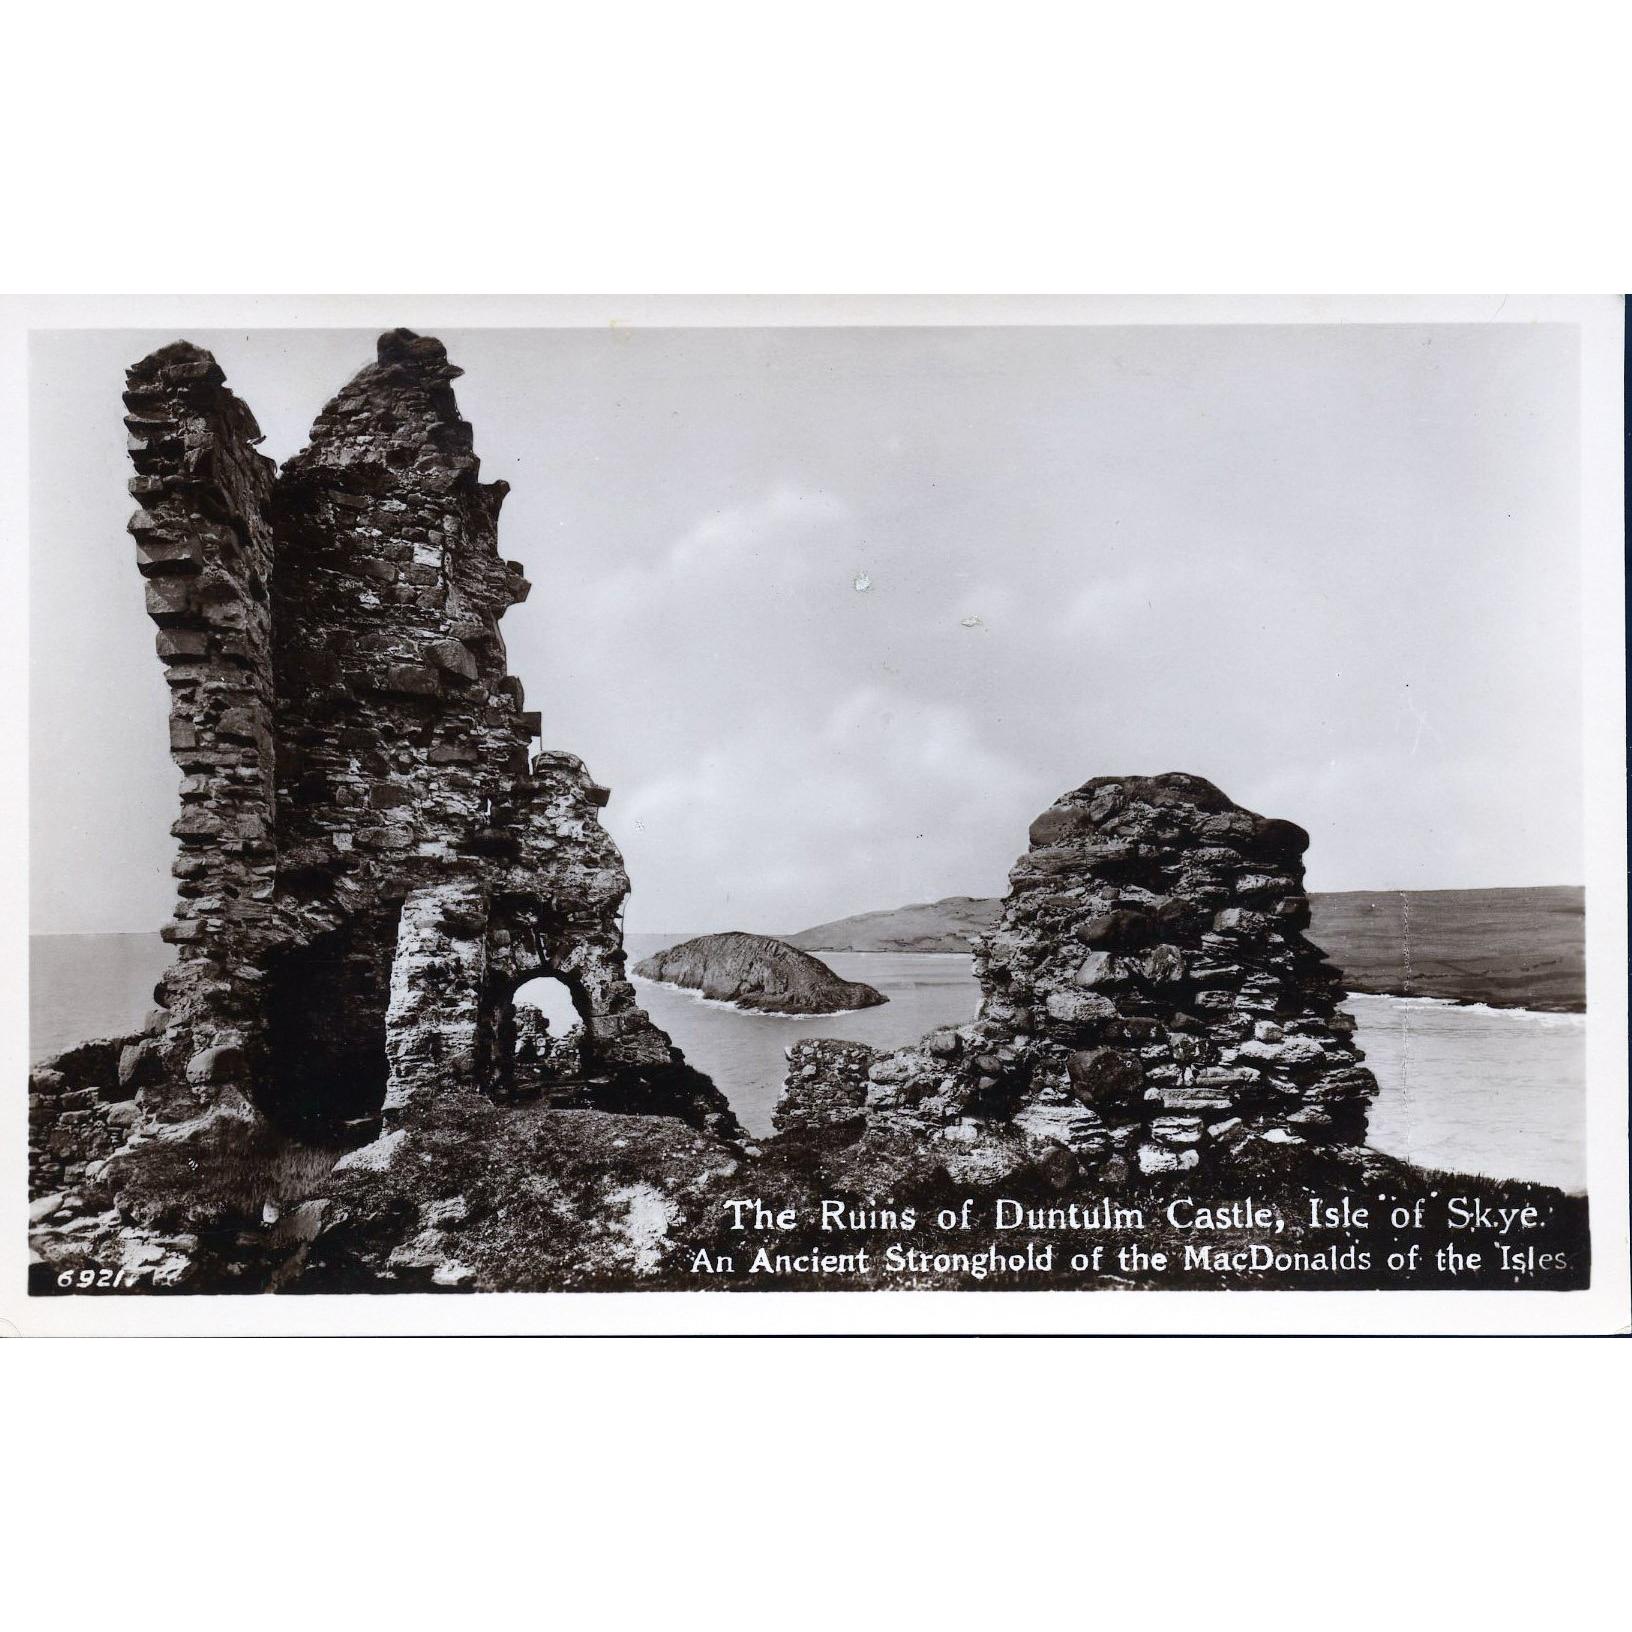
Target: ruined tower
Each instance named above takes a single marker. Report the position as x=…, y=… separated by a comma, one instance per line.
x=372, y=859
x=1150, y=1001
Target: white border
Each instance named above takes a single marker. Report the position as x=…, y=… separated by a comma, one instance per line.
x=1603, y=1308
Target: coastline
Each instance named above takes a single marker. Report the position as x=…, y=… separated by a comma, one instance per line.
x=1536, y=1003
x=736, y=1008
x=1495, y=1002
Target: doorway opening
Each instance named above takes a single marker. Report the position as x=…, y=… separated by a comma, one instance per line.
x=542, y=1042
x=325, y=1033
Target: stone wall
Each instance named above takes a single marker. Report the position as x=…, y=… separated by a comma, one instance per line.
x=373, y=860
x=81, y=1108
x=827, y=1085
x=204, y=546
x=1150, y=999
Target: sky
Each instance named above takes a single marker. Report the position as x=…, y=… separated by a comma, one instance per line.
x=835, y=612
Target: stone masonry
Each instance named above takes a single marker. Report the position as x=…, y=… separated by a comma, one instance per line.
x=372, y=858
x=1150, y=999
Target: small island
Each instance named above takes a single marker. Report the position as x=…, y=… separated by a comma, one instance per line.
x=758, y=974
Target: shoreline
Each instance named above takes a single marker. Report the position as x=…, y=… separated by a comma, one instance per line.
x=735, y=1008
x=1493, y=1003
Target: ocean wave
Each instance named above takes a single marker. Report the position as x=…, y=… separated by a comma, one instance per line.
x=1563, y=1019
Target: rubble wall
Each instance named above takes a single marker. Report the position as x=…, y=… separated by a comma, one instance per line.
x=81, y=1107
x=205, y=548
x=1150, y=998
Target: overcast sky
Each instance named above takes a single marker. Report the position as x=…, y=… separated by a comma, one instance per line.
x=836, y=612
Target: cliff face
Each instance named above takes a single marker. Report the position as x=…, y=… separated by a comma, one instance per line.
x=1150, y=999
x=371, y=859
x=1510, y=948
x=758, y=973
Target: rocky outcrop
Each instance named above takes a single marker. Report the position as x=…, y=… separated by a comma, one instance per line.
x=476, y=1197
x=759, y=974
x=372, y=860
x=1151, y=1003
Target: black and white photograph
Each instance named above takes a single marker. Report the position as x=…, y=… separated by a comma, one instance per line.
x=815, y=817
x=726, y=807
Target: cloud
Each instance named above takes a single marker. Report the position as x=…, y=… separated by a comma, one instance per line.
x=735, y=580
x=772, y=826
x=1105, y=606
x=783, y=524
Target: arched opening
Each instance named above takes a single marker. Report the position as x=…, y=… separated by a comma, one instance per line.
x=542, y=1041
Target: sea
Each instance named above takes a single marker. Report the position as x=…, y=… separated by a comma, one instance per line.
x=1464, y=1088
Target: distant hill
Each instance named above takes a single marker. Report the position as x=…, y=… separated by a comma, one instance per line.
x=929, y=926
x=1510, y=948
x=757, y=973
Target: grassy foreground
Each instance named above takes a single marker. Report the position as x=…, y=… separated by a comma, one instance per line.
x=481, y=1198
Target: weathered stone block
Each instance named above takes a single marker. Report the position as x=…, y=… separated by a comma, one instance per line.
x=1103, y=969
x=224, y=1062
x=1163, y=966
x=1164, y=1159
x=171, y=601
x=385, y=838
x=1177, y=1130
x=411, y=680
x=178, y=644
x=1190, y=1097
x=1115, y=929
x=197, y=825
x=1059, y=823
x=1079, y=1008
x=139, y=1064
x=453, y=658
x=1227, y=1076
x=1105, y=1076
x=1241, y=921
x=238, y=725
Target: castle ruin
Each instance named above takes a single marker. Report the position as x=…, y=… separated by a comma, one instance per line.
x=1150, y=1001
x=373, y=858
